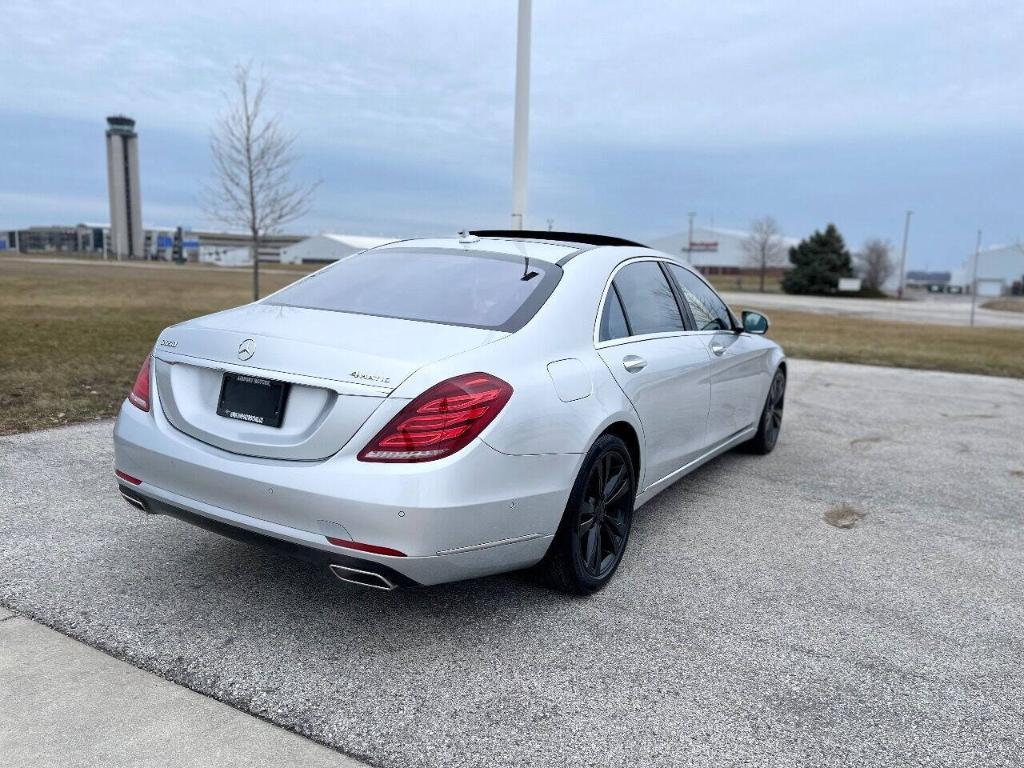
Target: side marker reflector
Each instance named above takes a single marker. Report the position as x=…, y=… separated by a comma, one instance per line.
x=371, y=548
x=127, y=478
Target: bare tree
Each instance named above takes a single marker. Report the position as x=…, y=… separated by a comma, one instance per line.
x=874, y=263
x=252, y=162
x=764, y=246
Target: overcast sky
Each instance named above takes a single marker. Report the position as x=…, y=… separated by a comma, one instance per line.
x=808, y=111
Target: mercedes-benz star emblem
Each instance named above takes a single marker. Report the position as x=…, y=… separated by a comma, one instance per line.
x=246, y=349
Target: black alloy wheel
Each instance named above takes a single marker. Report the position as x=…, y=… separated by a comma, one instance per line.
x=771, y=417
x=597, y=520
x=602, y=520
x=773, y=408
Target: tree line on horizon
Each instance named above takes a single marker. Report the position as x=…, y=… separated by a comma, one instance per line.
x=819, y=261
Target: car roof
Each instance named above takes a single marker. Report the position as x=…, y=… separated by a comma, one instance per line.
x=553, y=247
x=547, y=252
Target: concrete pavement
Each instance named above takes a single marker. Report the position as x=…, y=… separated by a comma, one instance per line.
x=743, y=628
x=63, y=703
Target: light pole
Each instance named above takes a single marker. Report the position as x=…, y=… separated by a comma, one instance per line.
x=974, y=277
x=903, y=256
x=689, y=238
x=521, y=125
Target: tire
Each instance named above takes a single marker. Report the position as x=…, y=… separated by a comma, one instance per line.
x=770, y=425
x=593, y=534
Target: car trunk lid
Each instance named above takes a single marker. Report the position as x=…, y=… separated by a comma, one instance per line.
x=336, y=367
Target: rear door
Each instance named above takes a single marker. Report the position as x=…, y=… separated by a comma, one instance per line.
x=662, y=368
x=738, y=372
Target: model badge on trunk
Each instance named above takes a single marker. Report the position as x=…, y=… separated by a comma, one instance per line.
x=370, y=377
x=246, y=349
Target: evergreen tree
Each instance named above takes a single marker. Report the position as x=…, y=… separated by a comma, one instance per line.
x=818, y=263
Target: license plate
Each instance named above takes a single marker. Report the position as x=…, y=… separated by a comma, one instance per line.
x=252, y=399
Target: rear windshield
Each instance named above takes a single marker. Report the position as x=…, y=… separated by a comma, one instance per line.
x=481, y=290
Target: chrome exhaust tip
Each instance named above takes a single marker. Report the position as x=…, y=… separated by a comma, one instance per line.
x=137, y=503
x=362, y=578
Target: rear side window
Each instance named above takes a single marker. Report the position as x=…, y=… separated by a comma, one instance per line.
x=480, y=290
x=613, y=320
x=648, y=302
x=708, y=310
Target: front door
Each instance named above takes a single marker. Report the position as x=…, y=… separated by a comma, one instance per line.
x=738, y=373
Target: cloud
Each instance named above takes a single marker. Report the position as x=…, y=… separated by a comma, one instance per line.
x=664, y=72
x=405, y=107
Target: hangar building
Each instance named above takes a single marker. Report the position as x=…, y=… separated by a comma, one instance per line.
x=1000, y=271
x=716, y=251
x=329, y=247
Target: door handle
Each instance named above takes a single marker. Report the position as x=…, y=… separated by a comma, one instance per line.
x=633, y=364
x=717, y=348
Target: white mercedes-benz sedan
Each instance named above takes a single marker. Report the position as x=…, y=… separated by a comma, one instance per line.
x=440, y=409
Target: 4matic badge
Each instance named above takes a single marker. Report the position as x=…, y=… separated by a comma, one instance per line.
x=370, y=377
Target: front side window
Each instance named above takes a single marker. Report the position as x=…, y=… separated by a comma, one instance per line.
x=647, y=300
x=480, y=290
x=708, y=310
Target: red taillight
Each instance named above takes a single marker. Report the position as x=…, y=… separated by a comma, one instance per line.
x=371, y=548
x=127, y=478
x=139, y=396
x=441, y=421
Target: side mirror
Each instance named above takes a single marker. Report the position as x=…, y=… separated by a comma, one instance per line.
x=755, y=322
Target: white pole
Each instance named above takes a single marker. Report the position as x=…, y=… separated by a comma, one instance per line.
x=689, y=239
x=521, y=131
x=974, y=277
x=903, y=257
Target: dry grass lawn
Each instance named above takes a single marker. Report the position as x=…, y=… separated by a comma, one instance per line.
x=961, y=349
x=772, y=284
x=72, y=335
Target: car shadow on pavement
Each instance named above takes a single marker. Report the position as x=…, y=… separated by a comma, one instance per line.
x=244, y=575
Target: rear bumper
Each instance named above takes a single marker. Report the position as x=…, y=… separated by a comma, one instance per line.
x=473, y=514
x=155, y=506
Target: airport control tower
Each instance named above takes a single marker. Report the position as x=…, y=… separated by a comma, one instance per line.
x=127, y=240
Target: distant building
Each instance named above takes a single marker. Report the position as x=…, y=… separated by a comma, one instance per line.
x=127, y=238
x=1000, y=271
x=78, y=238
x=226, y=257
x=934, y=282
x=270, y=245
x=329, y=247
x=158, y=243
x=716, y=251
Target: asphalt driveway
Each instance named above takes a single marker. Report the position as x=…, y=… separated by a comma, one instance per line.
x=930, y=309
x=742, y=628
